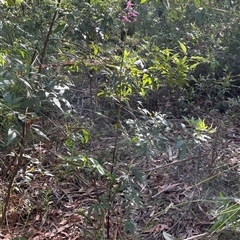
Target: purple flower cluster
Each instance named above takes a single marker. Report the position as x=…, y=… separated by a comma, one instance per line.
x=130, y=13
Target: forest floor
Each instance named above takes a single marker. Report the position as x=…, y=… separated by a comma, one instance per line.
x=51, y=196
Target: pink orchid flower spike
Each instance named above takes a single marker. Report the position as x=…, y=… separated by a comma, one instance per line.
x=125, y=19
x=129, y=4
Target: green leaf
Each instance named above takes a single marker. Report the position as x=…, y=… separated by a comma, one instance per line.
x=20, y=238
x=2, y=59
x=143, y=1
x=197, y=3
x=179, y=144
x=7, y=97
x=193, y=66
x=183, y=47
x=85, y=135
x=70, y=17
x=200, y=125
x=12, y=134
x=96, y=165
x=29, y=102
x=129, y=226
x=22, y=117
x=16, y=100
x=199, y=58
x=94, y=48
x=59, y=27
x=57, y=103
x=147, y=80
x=183, y=151
x=12, y=3
x=125, y=54
x=25, y=83
x=40, y=133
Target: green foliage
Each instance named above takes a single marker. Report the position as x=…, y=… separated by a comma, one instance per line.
x=227, y=214
x=147, y=135
x=185, y=47
x=201, y=132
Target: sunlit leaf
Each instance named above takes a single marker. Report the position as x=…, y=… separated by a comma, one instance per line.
x=96, y=164
x=85, y=135
x=22, y=117
x=199, y=58
x=25, y=83
x=57, y=103
x=12, y=134
x=125, y=54
x=168, y=236
x=142, y=92
x=12, y=3
x=2, y=59
x=183, y=47
x=94, y=48
x=40, y=133
x=197, y=3
x=147, y=80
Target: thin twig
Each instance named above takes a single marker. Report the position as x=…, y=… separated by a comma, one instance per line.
x=174, y=163
x=48, y=37
x=18, y=159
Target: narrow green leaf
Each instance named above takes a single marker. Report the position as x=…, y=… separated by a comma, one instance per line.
x=2, y=59
x=25, y=83
x=40, y=133
x=183, y=47
x=199, y=58
x=85, y=135
x=96, y=165
x=125, y=54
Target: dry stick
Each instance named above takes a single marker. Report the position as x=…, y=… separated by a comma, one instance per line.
x=48, y=37
x=19, y=159
x=174, y=162
x=19, y=155
x=115, y=144
x=34, y=56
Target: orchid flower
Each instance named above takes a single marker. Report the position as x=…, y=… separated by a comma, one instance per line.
x=125, y=19
x=129, y=4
